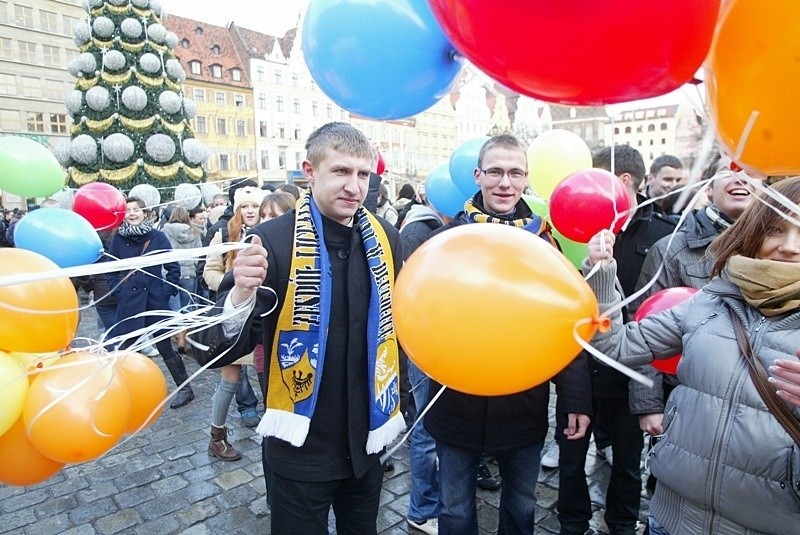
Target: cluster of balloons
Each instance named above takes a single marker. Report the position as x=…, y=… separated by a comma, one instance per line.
x=500, y=282
x=449, y=185
x=56, y=406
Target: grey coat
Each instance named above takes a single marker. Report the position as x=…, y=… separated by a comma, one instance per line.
x=724, y=464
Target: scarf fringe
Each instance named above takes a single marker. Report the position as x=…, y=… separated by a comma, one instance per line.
x=293, y=428
x=385, y=434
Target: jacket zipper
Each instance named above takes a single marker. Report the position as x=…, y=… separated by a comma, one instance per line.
x=740, y=381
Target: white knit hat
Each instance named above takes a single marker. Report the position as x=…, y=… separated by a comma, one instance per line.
x=247, y=194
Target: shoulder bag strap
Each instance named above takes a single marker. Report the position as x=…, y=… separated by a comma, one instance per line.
x=760, y=379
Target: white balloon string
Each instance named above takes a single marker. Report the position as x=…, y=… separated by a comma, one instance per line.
x=417, y=421
x=605, y=359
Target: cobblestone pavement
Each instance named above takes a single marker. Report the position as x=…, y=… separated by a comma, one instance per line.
x=162, y=481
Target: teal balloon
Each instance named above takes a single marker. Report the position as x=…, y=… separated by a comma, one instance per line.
x=61, y=235
x=463, y=162
x=382, y=59
x=442, y=193
x=28, y=168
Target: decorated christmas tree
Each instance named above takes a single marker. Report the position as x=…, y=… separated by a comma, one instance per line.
x=131, y=119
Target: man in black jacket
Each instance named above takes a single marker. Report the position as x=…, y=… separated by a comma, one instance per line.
x=512, y=428
x=332, y=394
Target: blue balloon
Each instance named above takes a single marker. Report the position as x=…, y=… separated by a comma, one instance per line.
x=61, y=235
x=381, y=59
x=442, y=193
x=463, y=162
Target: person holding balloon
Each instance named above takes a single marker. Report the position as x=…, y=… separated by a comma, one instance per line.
x=512, y=427
x=725, y=462
x=139, y=291
x=683, y=263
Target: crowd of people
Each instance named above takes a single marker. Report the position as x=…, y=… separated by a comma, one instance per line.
x=337, y=389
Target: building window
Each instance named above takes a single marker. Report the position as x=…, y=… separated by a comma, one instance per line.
x=195, y=67
x=216, y=71
x=264, y=159
x=236, y=74
x=199, y=95
x=222, y=127
x=295, y=80
x=278, y=77
x=651, y=142
x=8, y=84
x=616, y=131
x=31, y=87
x=23, y=16
x=627, y=129
x=241, y=128
x=663, y=141
x=279, y=103
x=27, y=52
x=48, y=21
x=663, y=126
x=315, y=109
x=296, y=105
x=638, y=129
x=58, y=123
x=9, y=121
x=639, y=143
x=298, y=160
x=244, y=161
x=35, y=122
x=201, y=125
x=297, y=131
x=259, y=74
x=328, y=111
x=281, y=159
x=72, y=53
x=3, y=12
x=238, y=100
x=5, y=48
x=216, y=50
x=224, y=164
x=651, y=128
x=69, y=24
x=53, y=89
x=51, y=55
x=281, y=131
x=262, y=128
x=184, y=43
x=262, y=101
x=219, y=98
x=198, y=30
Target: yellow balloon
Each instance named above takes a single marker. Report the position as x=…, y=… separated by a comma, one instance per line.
x=752, y=70
x=13, y=389
x=554, y=155
x=468, y=305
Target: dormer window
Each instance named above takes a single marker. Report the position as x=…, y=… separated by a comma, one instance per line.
x=236, y=74
x=215, y=50
x=216, y=71
x=185, y=43
x=195, y=67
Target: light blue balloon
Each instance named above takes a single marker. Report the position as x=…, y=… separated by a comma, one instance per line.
x=381, y=59
x=61, y=235
x=463, y=162
x=442, y=193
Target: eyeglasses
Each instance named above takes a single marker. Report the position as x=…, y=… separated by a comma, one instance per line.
x=495, y=173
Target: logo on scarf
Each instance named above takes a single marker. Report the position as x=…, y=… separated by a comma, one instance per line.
x=297, y=358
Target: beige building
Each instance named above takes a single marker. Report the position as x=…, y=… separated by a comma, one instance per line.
x=35, y=46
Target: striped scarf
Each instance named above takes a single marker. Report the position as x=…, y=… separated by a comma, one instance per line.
x=298, y=348
x=531, y=222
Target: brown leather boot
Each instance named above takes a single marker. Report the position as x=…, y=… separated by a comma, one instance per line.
x=219, y=446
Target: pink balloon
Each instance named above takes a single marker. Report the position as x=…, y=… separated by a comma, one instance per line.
x=659, y=302
x=587, y=202
x=100, y=204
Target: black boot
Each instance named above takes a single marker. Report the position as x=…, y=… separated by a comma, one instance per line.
x=177, y=369
x=184, y=396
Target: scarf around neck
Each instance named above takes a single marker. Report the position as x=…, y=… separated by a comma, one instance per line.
x=771, y=287
x=531, y=223
x=720, y=220
x=298, y=347
x=128, y=230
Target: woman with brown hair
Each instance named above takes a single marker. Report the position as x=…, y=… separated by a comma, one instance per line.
x=725, y=463
x=246, y=204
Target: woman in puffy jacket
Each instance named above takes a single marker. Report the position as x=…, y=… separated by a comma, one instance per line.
x=724, y=464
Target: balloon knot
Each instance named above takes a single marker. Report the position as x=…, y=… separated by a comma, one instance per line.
x=603, y=323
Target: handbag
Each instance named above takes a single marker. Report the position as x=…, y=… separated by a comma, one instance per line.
x=760, y=379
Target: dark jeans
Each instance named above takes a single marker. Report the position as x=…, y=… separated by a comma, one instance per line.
x=245, y=397
x=107, y=314
x=623, y=496
x=301, y=508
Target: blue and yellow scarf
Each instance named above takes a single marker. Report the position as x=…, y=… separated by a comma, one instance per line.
x=298, y=348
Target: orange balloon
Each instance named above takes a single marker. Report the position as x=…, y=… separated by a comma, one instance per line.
x=32, y=362
x=91, y=404
x=39, y=316
x=488, y=309
x=752, y=62
x=21, y=463
x=147, y=385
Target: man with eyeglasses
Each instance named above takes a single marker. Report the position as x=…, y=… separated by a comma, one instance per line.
x=511, y=428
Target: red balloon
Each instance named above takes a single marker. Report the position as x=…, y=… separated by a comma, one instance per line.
x=659, y=302
x=579, y=52
x=100, y=204
x=587, y=202
x=381, y=164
